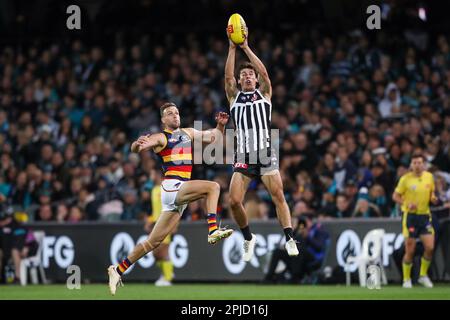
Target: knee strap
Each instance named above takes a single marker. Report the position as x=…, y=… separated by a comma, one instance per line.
x=147, y=245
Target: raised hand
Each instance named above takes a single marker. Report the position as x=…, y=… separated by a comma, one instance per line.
x=222, y=118
x=244, y=45
x=231, y=43
x=144, y=142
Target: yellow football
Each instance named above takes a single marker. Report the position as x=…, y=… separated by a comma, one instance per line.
x=237, y=29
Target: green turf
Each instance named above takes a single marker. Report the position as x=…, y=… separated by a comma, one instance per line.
x=222, y=292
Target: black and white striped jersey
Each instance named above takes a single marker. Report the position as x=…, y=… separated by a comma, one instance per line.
x=252, y=115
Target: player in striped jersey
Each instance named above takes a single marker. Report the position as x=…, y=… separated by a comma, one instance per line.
x=251, y=108
x=174, y=146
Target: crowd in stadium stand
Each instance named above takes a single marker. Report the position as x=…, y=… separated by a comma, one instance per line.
x=350, y=114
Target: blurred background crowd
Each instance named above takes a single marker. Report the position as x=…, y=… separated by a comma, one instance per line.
x=351, y=106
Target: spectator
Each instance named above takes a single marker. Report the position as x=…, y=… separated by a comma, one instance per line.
x=75, y=214
x=132, y=209
x=19, y=193
x=45, y=213
x=307, y=158
x=391, y=102
x=443, y=194
x=301, y=208
x=255, y=208
x=377, y=196
x=364, y=208
x=62, y=213
x=345, y=170
x=340, y=66
x=307, y=69
x=343, y=207
x=195, y=211
x=351, y=192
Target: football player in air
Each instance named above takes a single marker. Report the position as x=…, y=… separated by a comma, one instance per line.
x=174, y=147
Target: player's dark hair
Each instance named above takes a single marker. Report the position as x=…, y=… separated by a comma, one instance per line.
x=418, y=155
x=247, y=65
x=165, y=106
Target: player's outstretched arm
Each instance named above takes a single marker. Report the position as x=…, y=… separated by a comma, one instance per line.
x=148, y=142
x=209, y=136
x=230, y=81
x=264, y=80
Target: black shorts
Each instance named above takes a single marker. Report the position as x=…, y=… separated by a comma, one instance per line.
x=243, y=165
x=415, y=225
x=251, y=170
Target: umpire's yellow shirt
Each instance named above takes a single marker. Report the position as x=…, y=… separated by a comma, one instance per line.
x=156, y=208
x=416, y=190
x=156, y=203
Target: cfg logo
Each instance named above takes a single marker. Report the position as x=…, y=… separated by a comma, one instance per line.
x=349, y=244
x=60, y=248
x=232, y=253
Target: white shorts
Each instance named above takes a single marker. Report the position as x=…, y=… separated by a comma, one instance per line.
x=169, y=191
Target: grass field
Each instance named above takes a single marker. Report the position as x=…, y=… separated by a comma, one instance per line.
x=223, y=292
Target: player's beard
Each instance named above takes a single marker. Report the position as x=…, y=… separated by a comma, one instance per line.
x=173, y=125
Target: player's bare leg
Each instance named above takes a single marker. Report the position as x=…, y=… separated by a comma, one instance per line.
x=198, y=189
x=164, y=226
x=238, y=187
x=274, y=184
x=428, y=245
x=410, y=248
